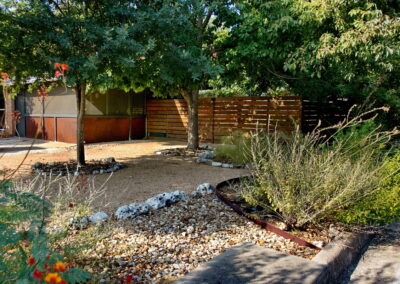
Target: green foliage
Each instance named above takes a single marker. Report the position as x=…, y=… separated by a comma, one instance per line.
x=308, y=178
x=23, y=218
x=382, y=207
x=234, y=149
x=100, y=42
x=320, y=49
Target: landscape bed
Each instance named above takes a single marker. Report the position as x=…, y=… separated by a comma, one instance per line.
x=170, y=242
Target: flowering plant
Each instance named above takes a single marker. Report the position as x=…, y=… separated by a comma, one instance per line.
x=25, y=255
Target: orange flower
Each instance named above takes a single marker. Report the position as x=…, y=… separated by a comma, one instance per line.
x=60, y=266
x=57, y=74
x=64, y=67
x=31, y=261
x=4, y=75
x=53, y=277
x=37, y=274
x=57, y=65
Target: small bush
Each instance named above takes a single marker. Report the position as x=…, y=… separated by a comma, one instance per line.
x=234, y=149
x=306, y=178
x=383, y=206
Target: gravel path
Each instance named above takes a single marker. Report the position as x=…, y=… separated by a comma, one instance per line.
x=171, y=242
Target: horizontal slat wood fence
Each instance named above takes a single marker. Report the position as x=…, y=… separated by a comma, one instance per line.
x=325, y=113
x=220, y=117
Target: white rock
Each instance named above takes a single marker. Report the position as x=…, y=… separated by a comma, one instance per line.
x=140, y=208
x=227, y=166
x=196, y=194
x=158, y=153
x=216, y=164
x=207, y=155
x=158, y=201
x=79, y=223
x=190, y=229
x=178, y=196
x=319, y=244
x=99, y=217
x=201, y=160
x=205, y=188
x=125, y=212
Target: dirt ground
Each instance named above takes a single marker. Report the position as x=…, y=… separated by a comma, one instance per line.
x=146, y=174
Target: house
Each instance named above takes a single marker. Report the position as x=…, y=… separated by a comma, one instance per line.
x=111, y=116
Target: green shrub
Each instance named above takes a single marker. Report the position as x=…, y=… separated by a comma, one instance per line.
x=24, y=243
x=234, y=149
x=384, y=205
x=307, y=178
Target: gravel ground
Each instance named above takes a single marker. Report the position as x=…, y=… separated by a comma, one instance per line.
x=146, y=174
x=170, y=242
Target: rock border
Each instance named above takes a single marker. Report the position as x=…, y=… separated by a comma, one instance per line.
x=205, y=157
x=107, y=165
x=129, y=212
x=159, y=201
x=338, y=255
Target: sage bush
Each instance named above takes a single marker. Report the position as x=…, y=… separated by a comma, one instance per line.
x=305, y=178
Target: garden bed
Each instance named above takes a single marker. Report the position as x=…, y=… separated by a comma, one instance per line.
x=107, y=165
x=183, y=152
x=170, y=242
x=204, y=155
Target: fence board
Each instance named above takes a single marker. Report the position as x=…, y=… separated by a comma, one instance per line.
x=221, y=116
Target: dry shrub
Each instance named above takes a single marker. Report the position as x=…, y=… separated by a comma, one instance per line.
x=306, y=178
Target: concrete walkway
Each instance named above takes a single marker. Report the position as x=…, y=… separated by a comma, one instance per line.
x=18, y=146
x=248, y=263
x=381, y=262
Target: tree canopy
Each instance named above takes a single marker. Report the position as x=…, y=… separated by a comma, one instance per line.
x=319, y=49
x=102, y=42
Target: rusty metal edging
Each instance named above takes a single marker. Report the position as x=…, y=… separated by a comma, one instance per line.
x=259, y=222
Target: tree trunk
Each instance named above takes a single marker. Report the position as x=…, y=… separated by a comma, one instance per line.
x=80, y=106
x=191, y=98
x=9, y=105
x=42, y=118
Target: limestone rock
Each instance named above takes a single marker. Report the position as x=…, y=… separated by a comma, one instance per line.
x=99, y=217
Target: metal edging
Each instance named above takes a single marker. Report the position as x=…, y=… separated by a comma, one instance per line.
x=259, y=222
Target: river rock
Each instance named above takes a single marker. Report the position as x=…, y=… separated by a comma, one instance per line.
x=207, y=155
x=205, y=188
x=216, y=164
x=125, y=212
x=99, y=217
x=79, y=223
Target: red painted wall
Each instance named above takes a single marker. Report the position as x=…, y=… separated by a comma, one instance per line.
x=66, y=129
x=106, y=129
x=97, y=129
